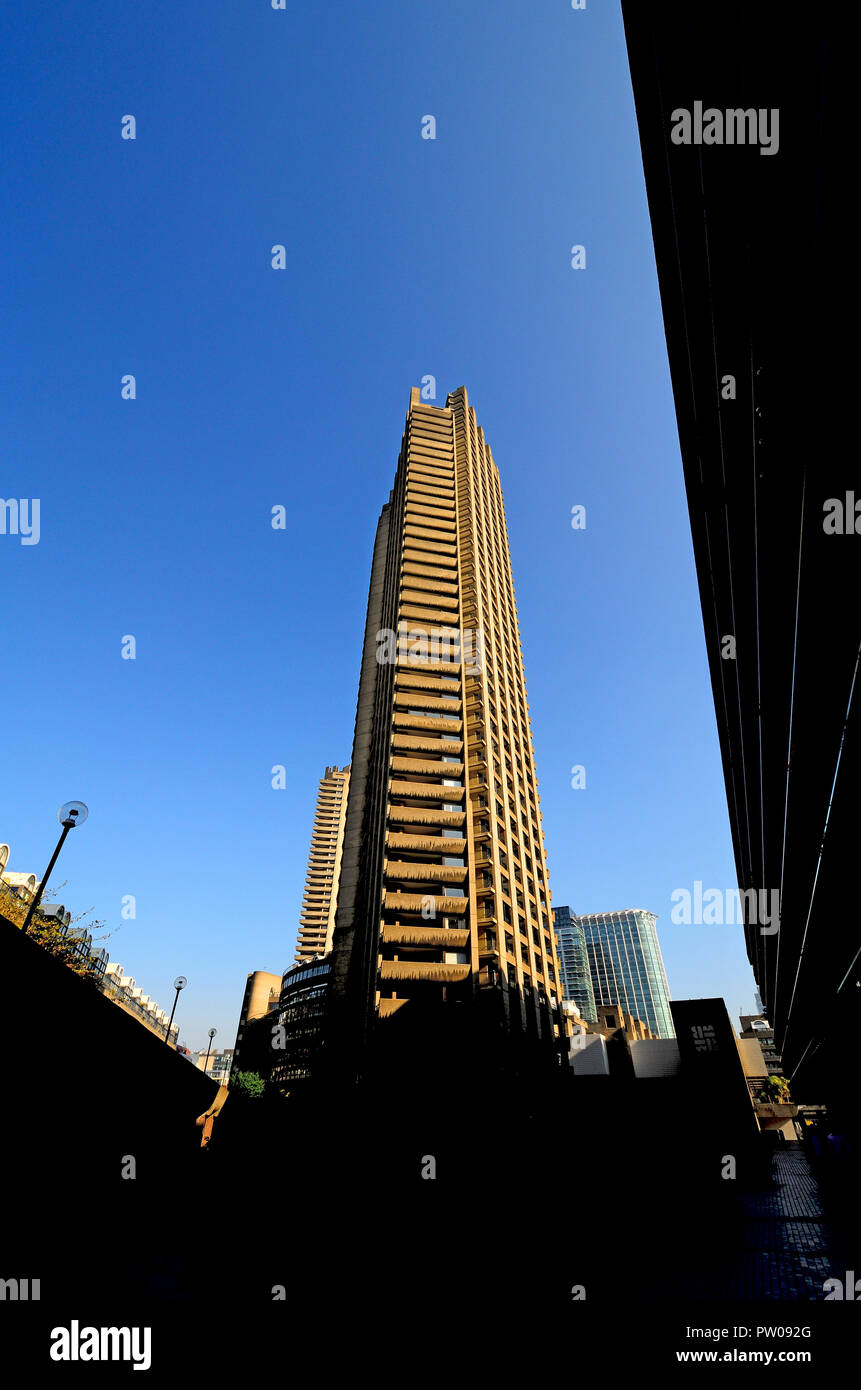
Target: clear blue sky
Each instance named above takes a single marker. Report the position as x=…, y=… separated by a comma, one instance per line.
x=257, y=387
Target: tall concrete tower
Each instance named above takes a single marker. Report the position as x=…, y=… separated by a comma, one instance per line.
x=317, y=919
x=444, y=894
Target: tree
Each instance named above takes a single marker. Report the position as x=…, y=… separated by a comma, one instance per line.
x=774, y=1091
x=248, y=1084
x=49, y=932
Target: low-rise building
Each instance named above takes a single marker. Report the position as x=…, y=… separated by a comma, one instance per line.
x=301, y=1014
x=219, y=1065
x=757, y=1027
x=252, y=1050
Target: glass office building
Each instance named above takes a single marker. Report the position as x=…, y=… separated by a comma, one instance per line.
x=574, y=962
x=626, y=966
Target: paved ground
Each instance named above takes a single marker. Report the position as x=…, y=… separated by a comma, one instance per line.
x=789, y=1245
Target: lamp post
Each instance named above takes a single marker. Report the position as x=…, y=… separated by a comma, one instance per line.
x=72, y=813
x=212, y=1033
x=179, y=983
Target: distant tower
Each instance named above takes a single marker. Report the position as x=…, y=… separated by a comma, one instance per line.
x=627, y=967
x=317, y=920
x=574, y=963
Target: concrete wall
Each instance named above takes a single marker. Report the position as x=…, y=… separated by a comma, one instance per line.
x=655, y=1057
x=590, y=1059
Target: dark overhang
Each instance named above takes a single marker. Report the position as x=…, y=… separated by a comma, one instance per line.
x=751, y=245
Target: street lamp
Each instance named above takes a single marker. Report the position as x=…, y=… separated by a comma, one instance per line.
x=179, y=983
x=212, y=1033
x=72, y=813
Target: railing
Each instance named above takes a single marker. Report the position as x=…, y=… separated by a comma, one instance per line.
x=74, y=946
x=121, y=996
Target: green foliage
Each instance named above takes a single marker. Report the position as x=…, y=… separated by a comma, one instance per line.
x=774, y=1091
x=247, y=1084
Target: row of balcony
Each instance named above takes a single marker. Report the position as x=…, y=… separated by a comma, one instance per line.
x=421, y=569
x=429, y=488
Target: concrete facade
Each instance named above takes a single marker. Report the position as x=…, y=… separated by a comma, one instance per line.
x=317, y=919
x=444, y=891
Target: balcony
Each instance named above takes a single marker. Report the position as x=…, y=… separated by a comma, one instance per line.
x=390, y=1006
x=427, y=791
x=427, y=546
x=427, y=611
x=431, y=724
x=428, y=702
x=423, y=970
x=420, y=569
x=424, y=873
x=443, y=906
x=408, y=934
x=414, y=743
x=425, y=844
x=425, y=509
x=423, y=596
x=426, y=815
x=421, y=529
x=426, y=767
x=415, y=680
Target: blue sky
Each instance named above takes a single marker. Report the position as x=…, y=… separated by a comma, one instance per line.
x=258, y=387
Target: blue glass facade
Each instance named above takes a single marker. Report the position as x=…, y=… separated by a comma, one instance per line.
x=627, y=967
x=574, y=962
